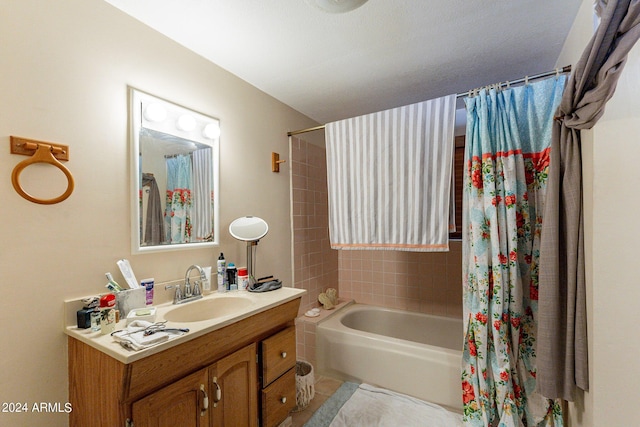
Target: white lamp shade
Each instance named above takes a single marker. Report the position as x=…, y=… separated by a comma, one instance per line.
x=186, y=123
x=155, y=112
x=336, y=6
x=211, y=131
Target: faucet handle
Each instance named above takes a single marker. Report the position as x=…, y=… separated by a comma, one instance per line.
x=196, y=288
x=178, y=295
x=187, y=289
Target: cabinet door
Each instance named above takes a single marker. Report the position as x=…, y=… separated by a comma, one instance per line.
x=181, y=404
x=234, y=389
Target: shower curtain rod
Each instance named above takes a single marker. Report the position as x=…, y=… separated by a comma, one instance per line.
x=565, y=69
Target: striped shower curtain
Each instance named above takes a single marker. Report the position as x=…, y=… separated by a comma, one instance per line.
x=389, y=176
x=202, y=212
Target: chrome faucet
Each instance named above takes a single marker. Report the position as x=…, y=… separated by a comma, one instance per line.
x=196, y=287
x=190, y=294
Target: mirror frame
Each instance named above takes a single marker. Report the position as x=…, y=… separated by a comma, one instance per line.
x=137, y=99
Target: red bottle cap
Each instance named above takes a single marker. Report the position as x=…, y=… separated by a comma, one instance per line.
x=108, y=300
x=242, y=271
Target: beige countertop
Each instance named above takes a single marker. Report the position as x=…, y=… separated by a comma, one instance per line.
x=259, y=302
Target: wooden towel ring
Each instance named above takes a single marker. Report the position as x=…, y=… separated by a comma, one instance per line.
x=43, y=154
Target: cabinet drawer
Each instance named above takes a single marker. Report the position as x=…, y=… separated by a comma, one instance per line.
x=278, y=355
x=279, y=399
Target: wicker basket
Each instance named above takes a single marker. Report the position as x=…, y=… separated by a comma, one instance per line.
x=305, y=385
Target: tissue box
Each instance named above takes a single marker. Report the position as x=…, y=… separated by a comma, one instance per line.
x=130, y=299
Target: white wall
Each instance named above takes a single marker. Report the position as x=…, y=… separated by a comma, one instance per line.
x=611, y=182
x=616, y=290
x=64, y=70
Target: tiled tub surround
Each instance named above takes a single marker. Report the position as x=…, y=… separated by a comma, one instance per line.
x=306, y=332
x=315, y=263
x=425, y=282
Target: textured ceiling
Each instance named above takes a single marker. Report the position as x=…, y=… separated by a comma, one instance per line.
x=383, y=54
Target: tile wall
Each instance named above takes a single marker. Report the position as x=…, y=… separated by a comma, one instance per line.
x=315, y=265
x=424, y=282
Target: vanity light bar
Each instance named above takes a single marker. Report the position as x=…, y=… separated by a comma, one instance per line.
x=173, y=119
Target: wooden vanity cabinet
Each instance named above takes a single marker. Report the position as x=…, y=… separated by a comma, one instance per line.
x=169, y=388
x=222, y=395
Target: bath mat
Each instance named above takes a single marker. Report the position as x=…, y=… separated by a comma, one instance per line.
x=367, y=406
x=327, y=412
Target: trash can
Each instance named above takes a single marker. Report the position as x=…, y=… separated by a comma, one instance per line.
x=305, y=385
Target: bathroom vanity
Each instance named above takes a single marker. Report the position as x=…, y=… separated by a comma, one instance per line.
x=234, y=370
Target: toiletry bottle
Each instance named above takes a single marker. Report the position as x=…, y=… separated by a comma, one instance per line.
x=206, y=286
x=85, y=315
x=95, y=319
x=107, y=314
x=148, y=285
x=231, y=277
x=243, y=279
x=222, y=273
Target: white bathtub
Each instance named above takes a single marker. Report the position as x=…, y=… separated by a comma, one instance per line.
x=411, y=353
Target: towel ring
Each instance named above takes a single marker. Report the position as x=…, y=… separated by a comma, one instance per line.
x=43, y=154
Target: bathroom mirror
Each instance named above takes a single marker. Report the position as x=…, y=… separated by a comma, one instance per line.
x=174, y=176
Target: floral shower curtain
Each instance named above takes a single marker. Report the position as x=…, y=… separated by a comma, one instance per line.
x=177, y=217
x=507, y=156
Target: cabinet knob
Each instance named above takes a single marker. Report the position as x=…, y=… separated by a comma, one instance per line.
x=283, y=400
x=283, y=354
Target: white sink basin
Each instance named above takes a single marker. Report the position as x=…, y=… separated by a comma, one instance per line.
x=206, y=309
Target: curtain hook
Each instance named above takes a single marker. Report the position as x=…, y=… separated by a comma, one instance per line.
x=557, y=73
x=526, y=80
